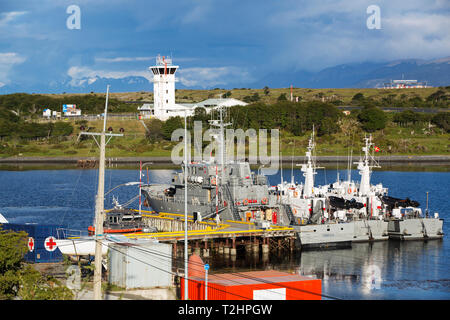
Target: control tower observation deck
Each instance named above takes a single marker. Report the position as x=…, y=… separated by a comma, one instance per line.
x=164, y=105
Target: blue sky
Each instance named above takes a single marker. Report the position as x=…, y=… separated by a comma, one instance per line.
x=223, y=43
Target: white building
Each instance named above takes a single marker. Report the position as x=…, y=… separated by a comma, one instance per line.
x=56, y=114
x=405, y=84
x=164, y=105
x=145, y=111
x=211, y=104
x=73, y=113
x=47, y=113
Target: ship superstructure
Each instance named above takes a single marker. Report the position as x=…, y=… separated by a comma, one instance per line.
x=218, y=187
x=378, y=216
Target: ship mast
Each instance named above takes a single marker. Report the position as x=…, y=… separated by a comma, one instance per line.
x=221, y=139
x=309, y=168
x=364, y=167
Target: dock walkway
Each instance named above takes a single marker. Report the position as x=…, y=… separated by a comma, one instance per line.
x=210, y=234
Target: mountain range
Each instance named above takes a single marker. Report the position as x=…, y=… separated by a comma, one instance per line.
x=434, y=72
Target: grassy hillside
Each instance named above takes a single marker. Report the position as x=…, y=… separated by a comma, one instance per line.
x=24, y=133
x=326, y=95
x=391, y=140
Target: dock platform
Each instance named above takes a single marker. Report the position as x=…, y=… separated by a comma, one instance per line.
x=225, y=237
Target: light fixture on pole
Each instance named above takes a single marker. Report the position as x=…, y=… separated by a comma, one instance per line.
x=140, y=183
x=186, y=271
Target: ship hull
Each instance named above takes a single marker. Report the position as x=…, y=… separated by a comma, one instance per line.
x=416, y=229
x=325, y=236
x=370, y=230
x=80, y=247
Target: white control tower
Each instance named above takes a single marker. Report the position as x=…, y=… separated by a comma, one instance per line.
x=164, y=89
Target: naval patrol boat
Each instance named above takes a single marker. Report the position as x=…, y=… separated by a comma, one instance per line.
x=367, y=212
x=315, y=221
x=218, y=188
x=381, y=216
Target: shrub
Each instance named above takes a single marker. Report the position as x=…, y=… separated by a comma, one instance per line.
x=372, y=119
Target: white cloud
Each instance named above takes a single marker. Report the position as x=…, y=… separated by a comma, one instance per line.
x=210, y=77
x=190, y=77
x=7, y=61
x=313, y=35
x=124, y=59
x=80, y=75
x=418, y=36
x=7, y=17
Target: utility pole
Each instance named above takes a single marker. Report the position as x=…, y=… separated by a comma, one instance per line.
x=99, y=208
x=99, y=201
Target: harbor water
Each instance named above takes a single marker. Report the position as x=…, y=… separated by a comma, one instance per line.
x=381, y=270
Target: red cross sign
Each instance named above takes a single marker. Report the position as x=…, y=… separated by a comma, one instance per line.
x=50, y=244
x=30, y=244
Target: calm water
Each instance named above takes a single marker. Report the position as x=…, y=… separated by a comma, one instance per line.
x=408, y=270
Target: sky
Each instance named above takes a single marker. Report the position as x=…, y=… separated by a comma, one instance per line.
x=224, y=43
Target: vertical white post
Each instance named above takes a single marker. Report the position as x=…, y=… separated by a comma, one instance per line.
x=186, y=291
x=99, y=210
x=206, y=282
x=140, y=186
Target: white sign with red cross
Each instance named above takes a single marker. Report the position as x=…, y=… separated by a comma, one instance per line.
x=30, y=243
x=50, y=244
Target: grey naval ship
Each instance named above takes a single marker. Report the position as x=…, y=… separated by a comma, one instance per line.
x=376, y=215
x=348, y=211
x=315, y=221
x=327, y=216
x=220, y=189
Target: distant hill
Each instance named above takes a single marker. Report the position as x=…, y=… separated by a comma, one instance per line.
x=84, y=85
x=364, y=75
x=352, y=75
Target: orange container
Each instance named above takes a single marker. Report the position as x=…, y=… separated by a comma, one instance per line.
x=256, y=285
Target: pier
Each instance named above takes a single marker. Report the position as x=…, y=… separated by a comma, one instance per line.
x=224, y=238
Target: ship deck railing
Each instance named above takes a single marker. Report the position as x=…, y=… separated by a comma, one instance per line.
x=65, y=233
x=228, y=228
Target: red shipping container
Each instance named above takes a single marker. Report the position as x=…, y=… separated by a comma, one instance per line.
x=256, y=285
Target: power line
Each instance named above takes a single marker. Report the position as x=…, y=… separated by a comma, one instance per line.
x=165, y=256
x=243, y=276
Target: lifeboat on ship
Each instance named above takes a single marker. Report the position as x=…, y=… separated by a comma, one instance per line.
x=121, y=221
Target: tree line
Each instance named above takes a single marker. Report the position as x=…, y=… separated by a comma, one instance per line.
x=298, y=119
x=438, y=99
x=34, y=104
x=12, y=125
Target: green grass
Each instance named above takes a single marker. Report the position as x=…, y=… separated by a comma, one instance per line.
x=402, y=141
x=345, y=95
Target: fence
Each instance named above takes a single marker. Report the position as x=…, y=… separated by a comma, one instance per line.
x=133, y=116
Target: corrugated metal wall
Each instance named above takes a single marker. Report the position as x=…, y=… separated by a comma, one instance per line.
x=140, y=266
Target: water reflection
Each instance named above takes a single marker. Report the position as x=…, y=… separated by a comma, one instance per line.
x=380, y=270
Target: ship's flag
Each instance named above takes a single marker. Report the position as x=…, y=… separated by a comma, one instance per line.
x=377, y=149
